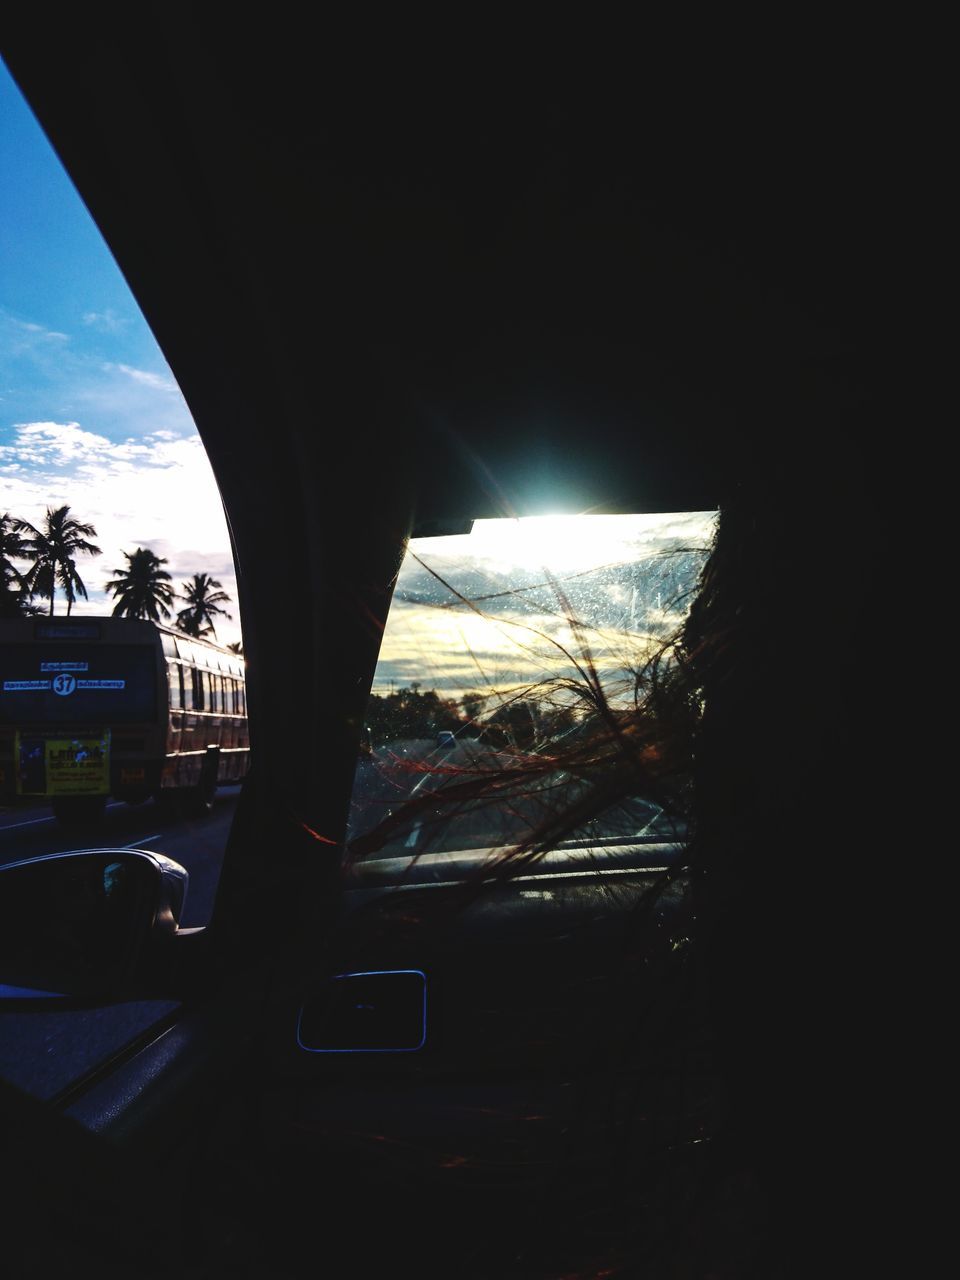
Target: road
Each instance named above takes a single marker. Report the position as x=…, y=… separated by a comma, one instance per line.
x=196, y=843
x=44, y=1053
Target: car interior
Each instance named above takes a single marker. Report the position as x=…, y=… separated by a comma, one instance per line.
x=408, y=288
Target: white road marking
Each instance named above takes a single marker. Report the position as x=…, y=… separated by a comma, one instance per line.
x=32, y=822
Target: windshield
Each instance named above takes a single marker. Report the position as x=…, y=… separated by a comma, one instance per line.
x=507, y=652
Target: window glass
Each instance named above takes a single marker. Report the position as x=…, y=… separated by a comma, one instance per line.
x=506, y=650
x=173, y=677
x=97, y=445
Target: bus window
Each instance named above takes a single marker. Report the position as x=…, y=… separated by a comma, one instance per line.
x=176, y=691
x=196, y=679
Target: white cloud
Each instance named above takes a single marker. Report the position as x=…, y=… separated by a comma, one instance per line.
x=47, y=377
x=144, y=377
x=158, y=493
x=53, y=443
x=117, y=400
x=29, y=327
x=105, y=321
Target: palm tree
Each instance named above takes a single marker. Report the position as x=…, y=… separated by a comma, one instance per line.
x=53, y=551
x=204, y=597
x=14, y=591
x=141, y=589
x=236, y=647
x=11, y=548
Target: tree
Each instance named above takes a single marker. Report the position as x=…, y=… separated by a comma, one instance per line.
x=53, y=551
x=514, y=724
x=236, y=647
x=14, y=591
x=408, y=713
x=142, y=589
x=204, y=598
x=473, y=704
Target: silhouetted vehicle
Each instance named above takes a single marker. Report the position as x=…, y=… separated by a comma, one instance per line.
x=94, y=707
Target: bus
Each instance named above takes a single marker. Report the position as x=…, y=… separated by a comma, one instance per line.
x=92, y=707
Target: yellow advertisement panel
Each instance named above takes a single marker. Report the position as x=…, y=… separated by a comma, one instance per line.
x=63, y=766
x=78, y=766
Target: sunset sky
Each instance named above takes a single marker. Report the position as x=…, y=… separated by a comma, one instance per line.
x=541, y=594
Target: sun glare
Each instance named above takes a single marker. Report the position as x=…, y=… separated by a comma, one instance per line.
x=572, y=543
x=492, y=609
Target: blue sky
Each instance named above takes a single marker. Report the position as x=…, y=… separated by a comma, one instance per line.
x=90, y=413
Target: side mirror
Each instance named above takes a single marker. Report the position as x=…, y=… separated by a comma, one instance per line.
x=85, y=925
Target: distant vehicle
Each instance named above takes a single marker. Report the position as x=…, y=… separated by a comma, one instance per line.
x=446, y=739
x=98, y=706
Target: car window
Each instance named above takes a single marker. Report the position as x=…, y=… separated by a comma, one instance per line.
x=98, y=449
x=505, y=649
